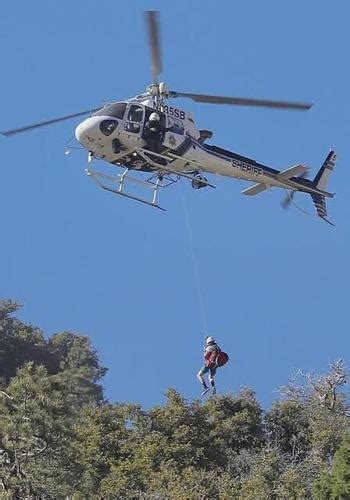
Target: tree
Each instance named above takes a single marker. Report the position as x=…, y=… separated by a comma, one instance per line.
x=102, y=438
x=19, y=343
x=192, y=483
x=260, y=482
x=79, y=367
x=60, y=438
x=235, y=425
x=165, y=435
x=336, y=484
x=70, y=355
x=36, y=453
x=341, y=471
x=288, y=428
x=323, y=404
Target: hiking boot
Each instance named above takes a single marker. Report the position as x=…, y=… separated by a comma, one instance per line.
x=213, y=390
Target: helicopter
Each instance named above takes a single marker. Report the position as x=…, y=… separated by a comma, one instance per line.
x=145, y=134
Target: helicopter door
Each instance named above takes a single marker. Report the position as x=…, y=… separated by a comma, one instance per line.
x=175, y=135
x=134, y=119
x=133, y=125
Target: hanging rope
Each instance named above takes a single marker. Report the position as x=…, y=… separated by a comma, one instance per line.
x=195, y=266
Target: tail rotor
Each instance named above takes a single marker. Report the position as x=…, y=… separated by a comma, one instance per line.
x=289, y=198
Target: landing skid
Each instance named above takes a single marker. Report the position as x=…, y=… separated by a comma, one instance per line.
x=116, y=185
x=162, y=176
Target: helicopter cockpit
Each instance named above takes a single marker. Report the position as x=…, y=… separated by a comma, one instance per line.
x=134, y=117
x=118, y=128
x=116, y=110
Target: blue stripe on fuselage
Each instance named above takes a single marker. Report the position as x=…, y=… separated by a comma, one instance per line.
x=224, y=153
x=229, y=155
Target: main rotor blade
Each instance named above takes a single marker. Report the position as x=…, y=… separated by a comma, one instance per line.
x=241, y=101
x=47, y=122
x=152, y=21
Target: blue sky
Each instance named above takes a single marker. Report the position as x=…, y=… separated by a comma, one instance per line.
x=275, y=284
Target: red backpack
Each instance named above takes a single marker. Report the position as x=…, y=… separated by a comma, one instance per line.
x=222, y=358
x=217, y=359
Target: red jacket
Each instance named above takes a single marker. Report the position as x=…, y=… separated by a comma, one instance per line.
x=210, y=357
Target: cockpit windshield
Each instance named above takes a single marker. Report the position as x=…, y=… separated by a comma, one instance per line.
x=117, y=110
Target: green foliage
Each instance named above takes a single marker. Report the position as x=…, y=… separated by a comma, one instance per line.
x=35, y=435
x=60, y=439
x=235, y=421
x=336, y=483
x=287, y=426
x=341, y=471
x=66, y=354
x=19, y=343
x=291, y=484
x=322, y=489
x=102, y=438
x=78, y=366
x=44, y=385
x=192, y=483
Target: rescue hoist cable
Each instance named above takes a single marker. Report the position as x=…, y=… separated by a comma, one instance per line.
x=195, y=266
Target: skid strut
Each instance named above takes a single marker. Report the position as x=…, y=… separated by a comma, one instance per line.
x=147, y=156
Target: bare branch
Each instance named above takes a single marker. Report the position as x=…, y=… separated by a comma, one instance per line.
x=7, y=395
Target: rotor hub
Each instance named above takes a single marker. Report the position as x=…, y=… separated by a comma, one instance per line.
x=158, y=90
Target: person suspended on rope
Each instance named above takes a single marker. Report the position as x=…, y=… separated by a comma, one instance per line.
x=214, y=357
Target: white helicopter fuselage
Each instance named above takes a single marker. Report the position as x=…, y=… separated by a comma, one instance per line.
x=123, y=124
x=170, y=146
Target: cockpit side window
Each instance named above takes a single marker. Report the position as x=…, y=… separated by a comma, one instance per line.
x=107, y=127
x=135, y=114
x=116, y=110
x=176, y=126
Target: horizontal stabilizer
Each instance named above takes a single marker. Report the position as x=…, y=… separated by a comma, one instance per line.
x=255, y=189
x=292, y=172
x=321, y=208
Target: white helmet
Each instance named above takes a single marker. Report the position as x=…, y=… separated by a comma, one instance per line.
x=210, y=339
x=154, y=117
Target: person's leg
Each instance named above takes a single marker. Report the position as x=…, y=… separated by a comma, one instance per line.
x=159, y=142
x=212, y=373
x=151, y=146
x=200, y=376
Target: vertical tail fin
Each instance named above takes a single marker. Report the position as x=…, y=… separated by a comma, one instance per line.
x=322, y=176
x=320, y=182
